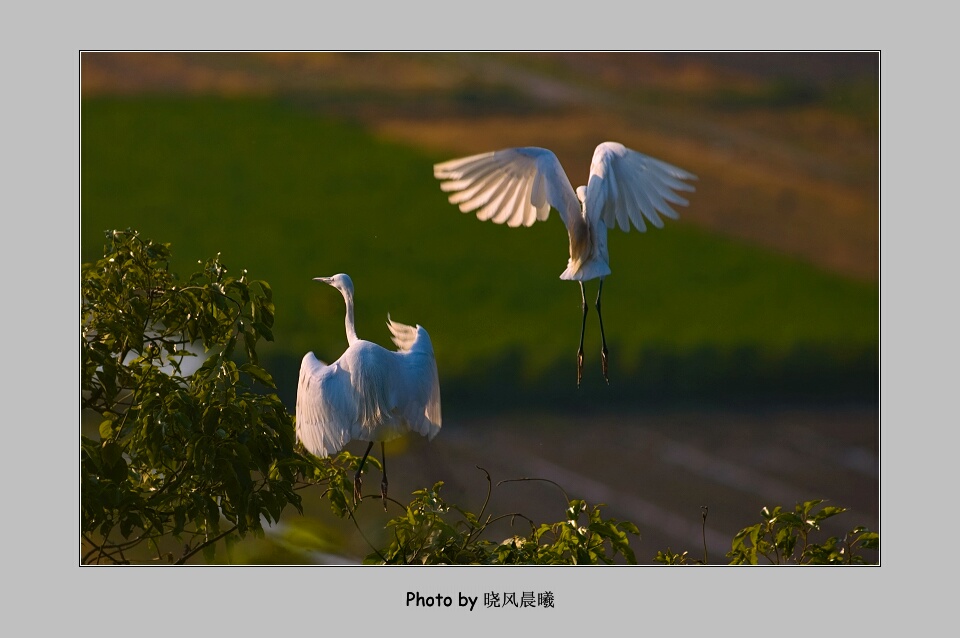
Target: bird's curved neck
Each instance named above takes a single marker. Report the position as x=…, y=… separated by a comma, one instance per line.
x=348, y=320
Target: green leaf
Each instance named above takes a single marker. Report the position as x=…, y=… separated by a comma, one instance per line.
x=110, y=453
x=259, y=374
x=870, y=540
x=106, y=429
x=828, y=512
x=267, y=290
x=179, y=520
x=791, y=519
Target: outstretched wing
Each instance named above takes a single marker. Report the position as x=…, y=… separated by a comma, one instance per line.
x=626, y=186
x=516, y=186
x=327, y=415
x=421, y=383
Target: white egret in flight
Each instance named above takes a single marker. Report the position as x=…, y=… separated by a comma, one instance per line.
x=518, y=186
x=369, y=393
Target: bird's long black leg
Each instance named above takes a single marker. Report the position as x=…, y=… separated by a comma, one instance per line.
x=383, y=482
x=583, y=326
x=357, y=482
x=603, y=339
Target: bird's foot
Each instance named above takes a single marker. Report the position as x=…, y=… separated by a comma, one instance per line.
x=357, y=483
x=603, y=364
x=383, y=493
x=579, y=367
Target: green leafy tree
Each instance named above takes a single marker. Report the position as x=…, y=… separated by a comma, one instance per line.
x=190, y=458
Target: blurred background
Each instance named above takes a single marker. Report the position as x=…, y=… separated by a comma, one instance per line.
x=744, y=337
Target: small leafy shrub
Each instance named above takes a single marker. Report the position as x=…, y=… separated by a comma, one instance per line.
x=434, y=532
x=785, y=537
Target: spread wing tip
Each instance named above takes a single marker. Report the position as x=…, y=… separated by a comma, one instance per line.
x=403, y=336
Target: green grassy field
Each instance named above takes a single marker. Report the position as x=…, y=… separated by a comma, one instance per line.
x=289, y=195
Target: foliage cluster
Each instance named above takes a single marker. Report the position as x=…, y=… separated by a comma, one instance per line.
x=433, y=531
x=427, y=535
x=787, y=538
x=784, y=537
x=196, y=457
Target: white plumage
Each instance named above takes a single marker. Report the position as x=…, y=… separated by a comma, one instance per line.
x=369, y=393
x=518, y=186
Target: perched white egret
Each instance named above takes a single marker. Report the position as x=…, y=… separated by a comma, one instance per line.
x=518, y=186
x=369, y=393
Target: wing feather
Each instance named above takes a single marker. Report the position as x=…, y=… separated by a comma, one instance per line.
x=654, y=199
x=418, y=385
x=510, y=206
x=516, y=186
x=326, y=407
x=538, y=197
x=529, y=212
x=634, y=205
x=403, y=336
x=645, y=208
x=429, y=384
x=493, y=206
x=476, y=193
x=626, y=186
